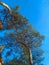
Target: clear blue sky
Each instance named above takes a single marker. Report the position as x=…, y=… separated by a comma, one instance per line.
x=37, y=11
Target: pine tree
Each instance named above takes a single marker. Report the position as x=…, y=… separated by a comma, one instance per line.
x=22, y=39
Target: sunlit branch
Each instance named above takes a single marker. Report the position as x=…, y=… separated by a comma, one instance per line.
x=29, y=51
x=5, y=5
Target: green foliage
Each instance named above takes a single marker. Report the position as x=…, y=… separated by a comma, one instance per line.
x=22, y=32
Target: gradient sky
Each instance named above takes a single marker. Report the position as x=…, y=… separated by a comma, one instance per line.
x=37, y=11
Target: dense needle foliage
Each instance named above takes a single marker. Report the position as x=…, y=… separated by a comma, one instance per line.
x=18, y=37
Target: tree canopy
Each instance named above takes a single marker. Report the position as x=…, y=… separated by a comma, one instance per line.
x=22, y=42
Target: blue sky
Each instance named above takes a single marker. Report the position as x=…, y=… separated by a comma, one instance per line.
x=37, y=11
